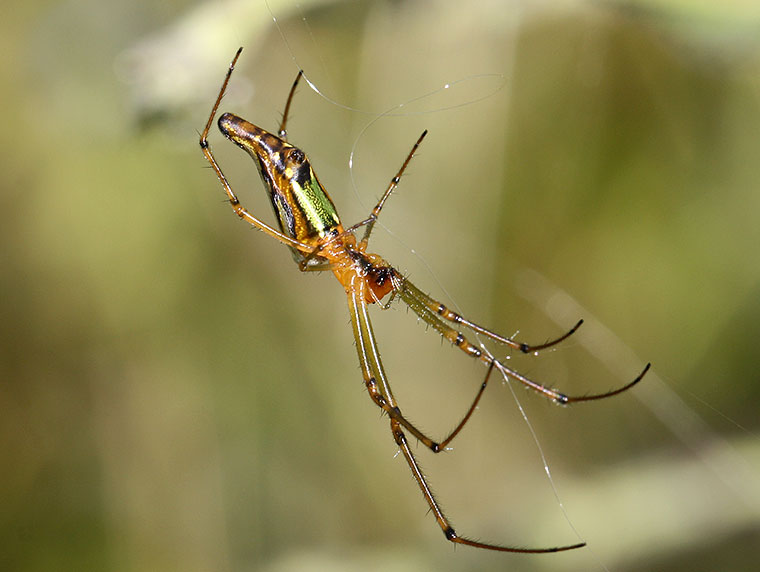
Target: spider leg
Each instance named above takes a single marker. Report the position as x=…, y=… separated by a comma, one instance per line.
x=282, y=132
x=451, y=316
x=379, y=389
x=369, y=222
x=376, y=380
x=234, y=202
x=372, y=368
x=427, y=309
x=470, y=411
x=561, y=398
x=303, y=266
x=443, y=522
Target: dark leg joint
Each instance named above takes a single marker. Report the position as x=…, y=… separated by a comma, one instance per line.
x=450, y=534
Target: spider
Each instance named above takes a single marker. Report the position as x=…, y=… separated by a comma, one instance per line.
x=310, y=226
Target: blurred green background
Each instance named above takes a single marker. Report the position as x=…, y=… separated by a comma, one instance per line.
x=175, y=395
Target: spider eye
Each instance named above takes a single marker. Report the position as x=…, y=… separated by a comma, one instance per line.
x=296, y=156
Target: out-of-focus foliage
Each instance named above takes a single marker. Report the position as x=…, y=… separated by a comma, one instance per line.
x=175, y=395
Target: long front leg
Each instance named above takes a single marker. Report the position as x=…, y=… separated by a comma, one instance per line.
x=372, y=368
x=444, y=312
x=234, y=202
x=380, y=391
x=426, y=308
x=440, y=518
x=376, y=380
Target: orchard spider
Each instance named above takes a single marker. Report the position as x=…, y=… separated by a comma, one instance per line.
x=309, y=225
